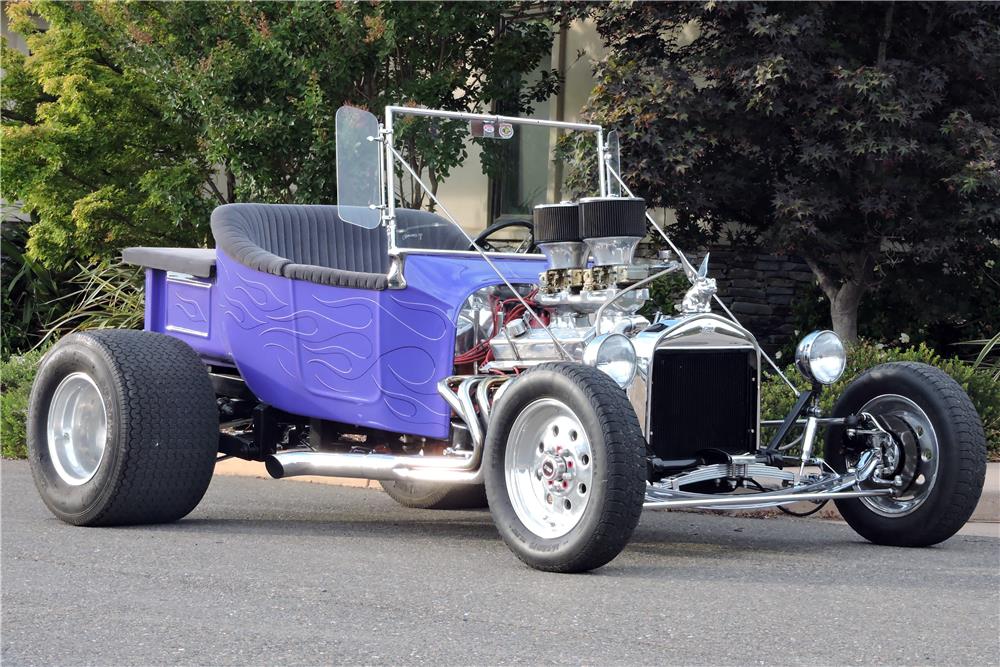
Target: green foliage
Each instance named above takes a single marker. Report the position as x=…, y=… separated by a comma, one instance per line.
x=865, y=141
x=28, y=290
x=263, y=80
x=87, y=148
x=987, y=359
x=108, y=295
x=665, y=294
x=943, y=319
x=984, y=390
x=16, y=375
x=129, y=122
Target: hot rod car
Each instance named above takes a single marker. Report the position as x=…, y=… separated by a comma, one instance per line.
x=374, y=341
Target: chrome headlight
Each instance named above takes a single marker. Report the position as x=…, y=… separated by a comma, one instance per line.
x=821, y=357
x=614, y=355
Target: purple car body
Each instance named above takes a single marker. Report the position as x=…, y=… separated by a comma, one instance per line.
x=364, y=357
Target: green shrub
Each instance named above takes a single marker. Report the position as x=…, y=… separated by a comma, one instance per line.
x=776, y=399
x=16, y=375
x=107, y=295
x=29, y=293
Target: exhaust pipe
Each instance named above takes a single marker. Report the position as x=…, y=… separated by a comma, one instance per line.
x=382, y=467
x=462, y=469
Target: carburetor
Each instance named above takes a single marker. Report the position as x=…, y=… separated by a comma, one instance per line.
x=590, y=247
x=608, y=229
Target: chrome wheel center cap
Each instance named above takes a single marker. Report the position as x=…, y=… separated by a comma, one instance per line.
x=553, y=468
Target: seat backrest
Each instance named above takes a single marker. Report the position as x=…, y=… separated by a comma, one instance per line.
x=311, y=242
x=299, y=234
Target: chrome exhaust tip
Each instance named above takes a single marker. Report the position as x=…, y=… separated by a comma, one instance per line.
x=274, y=467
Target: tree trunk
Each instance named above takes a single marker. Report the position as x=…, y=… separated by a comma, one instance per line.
x=844, y=304
x=230, y=184
x=845, y=297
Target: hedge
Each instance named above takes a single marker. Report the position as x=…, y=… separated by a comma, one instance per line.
x=776, y=399
x=16, y=375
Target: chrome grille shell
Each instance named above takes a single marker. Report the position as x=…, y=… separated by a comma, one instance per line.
x=700, y=332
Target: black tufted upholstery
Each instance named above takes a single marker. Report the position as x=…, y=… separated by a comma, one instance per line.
x=312, y=243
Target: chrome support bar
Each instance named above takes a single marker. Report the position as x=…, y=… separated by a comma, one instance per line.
x=808, y=439
x=690, y=270
x=602, y=174
x=531, y=311
x=465, y=115
x=820, y=421
x=758, y=500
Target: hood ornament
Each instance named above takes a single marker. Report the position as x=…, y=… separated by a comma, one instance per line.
x=699, y=297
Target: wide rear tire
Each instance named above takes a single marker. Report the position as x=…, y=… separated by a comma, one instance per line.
x=122, y=428
x=565, y=467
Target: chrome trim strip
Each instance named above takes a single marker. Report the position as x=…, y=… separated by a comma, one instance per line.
x=178, y=278
x=183, y=330
x=470, y=253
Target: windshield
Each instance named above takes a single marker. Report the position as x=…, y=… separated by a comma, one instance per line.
x=488, y=175
x=358, y=182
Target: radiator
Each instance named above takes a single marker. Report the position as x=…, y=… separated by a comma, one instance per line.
x=703, y=399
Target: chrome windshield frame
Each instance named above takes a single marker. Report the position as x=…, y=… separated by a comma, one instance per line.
x=389, y=164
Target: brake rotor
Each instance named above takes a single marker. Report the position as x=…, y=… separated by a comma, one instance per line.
x=905, y=460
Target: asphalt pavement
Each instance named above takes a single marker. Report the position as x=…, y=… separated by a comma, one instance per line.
x=284, y=572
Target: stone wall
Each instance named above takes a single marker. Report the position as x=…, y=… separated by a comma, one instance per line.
x=760, y=290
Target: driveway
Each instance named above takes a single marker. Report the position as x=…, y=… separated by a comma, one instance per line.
x=267, y=572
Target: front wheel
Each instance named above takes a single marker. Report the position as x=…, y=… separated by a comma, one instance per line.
x=935, y=451
x=565, y=468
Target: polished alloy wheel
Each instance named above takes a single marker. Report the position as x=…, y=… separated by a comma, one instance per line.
x=77, y=429
x=918, y=478
x=549, y=468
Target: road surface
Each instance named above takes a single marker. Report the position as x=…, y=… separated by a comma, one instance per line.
x=285, y=572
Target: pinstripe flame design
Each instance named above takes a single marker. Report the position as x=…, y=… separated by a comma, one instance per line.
x=352, y=347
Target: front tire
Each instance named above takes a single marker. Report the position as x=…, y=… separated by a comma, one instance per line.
x=122, y=428
x=565, y=468
x=942, y=466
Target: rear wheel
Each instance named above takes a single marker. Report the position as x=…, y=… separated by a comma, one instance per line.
x=122, y=428
x=565, y=468
x=936, y=454
x=436, y=496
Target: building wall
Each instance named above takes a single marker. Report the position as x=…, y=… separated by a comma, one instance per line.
x=465, y=192
x=14, y=40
